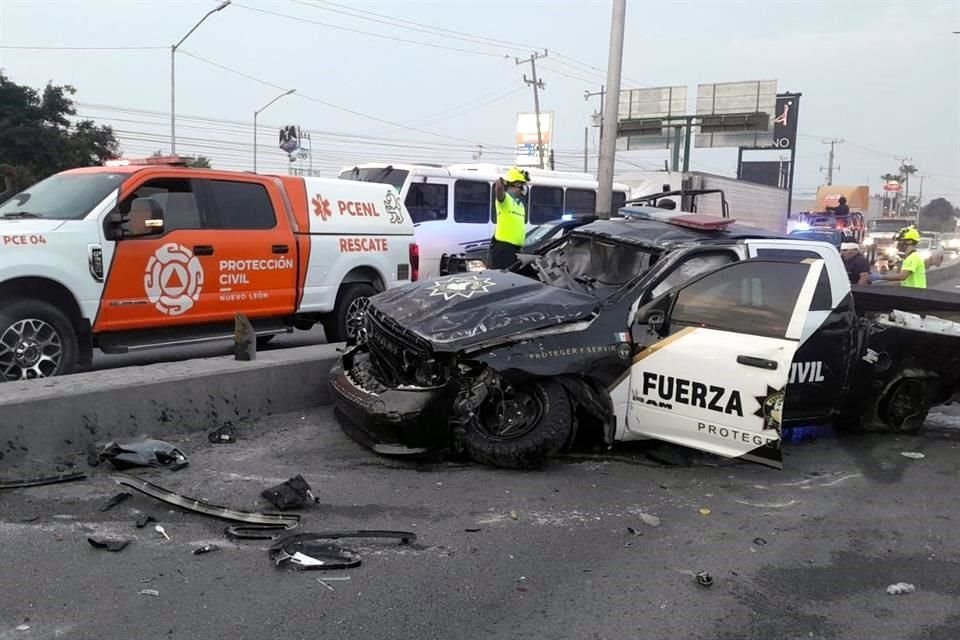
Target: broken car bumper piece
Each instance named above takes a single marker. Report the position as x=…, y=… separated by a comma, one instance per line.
x=307, y=551
x=270, y=520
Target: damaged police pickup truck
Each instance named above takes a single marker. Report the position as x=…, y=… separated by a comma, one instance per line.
x=684, y=328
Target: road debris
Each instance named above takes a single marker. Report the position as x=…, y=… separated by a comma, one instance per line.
x=325, y=584
x=270, y=520
x=704, y=579
x=207, y=548
x=223, y=435
x=514, y=516
x=705, y=511
x=110, y=544
x=900, y=588
x=650, y=520
x=472, y=529
x=913, y=455
x=37, y=482
x=23, y=627
x=149, y=592
x=759, y=542
x=291, y=494
x=306, y=551
x=163, y=532
x=144, y=519
x=142, y=453
x=115, y=500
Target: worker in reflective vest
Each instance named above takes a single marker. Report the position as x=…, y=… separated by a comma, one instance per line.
x=511, y=218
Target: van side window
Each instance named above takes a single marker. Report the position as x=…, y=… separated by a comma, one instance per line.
x=619, y=200
x=242, y=205
x=822, y=295
x=178, y=201
x=580, y=201
x=471, y=201
x=427, y=202
x=546, y=204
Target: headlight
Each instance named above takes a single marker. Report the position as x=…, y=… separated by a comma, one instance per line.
x=476, y=265
x=868, y=241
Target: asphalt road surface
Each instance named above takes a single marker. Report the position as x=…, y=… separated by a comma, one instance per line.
x=802, y=553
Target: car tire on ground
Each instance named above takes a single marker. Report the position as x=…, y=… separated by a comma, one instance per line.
x=342, y=322
x=544, y=430
x=37, y=340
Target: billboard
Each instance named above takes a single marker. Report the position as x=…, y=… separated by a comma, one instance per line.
x=736, y=114
x=528, y=154
x=289, y=138
x=642, y=113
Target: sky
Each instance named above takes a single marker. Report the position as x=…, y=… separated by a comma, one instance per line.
x=380, y=81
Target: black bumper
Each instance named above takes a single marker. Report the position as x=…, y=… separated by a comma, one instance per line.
x=397, y=422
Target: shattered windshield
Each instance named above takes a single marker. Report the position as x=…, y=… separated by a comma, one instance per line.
x=592, y=264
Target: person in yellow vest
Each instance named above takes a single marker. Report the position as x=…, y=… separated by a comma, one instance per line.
x=511, y=218
x=913, y=271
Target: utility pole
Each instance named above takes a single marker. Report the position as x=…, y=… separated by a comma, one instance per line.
x=829, y=167
x=608, y=130
x=598, y=122
x=586, y=150
x=479, y=153
x=537, y=86
x=905, y=203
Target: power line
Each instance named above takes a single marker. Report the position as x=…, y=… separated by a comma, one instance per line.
x=330, y=104
x=30, y=48
x=366, y=33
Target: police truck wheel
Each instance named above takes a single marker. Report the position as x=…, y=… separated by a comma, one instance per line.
x=36, y=341
x=523, y=431
x=347, y=314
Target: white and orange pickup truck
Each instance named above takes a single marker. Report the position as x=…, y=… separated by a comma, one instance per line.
x=145, y=254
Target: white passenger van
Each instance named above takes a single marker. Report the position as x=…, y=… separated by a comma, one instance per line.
x=452, y=206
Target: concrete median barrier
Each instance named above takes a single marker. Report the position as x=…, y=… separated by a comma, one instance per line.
x=42, y=419
x=948, y=271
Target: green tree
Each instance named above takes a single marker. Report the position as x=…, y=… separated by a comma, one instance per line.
x=939, y=215
x=39, y=135
x=200, y=162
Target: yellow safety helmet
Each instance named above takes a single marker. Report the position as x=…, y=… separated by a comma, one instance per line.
x=516, y=175
x=908, y=234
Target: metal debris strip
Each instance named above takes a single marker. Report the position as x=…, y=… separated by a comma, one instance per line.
x=37, y=482
x=109, y=544
x=274, y=520
x=305, y=551
x=115, y=500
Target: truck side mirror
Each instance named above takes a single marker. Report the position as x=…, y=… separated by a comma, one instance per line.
x=144, y=219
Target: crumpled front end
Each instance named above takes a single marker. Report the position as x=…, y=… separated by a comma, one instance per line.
x=392, y=394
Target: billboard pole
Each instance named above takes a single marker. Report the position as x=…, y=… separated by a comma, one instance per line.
x=608, y=131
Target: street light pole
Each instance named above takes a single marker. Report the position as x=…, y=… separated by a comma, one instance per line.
x=608, y=131
x=173, y=76
x=257, y=113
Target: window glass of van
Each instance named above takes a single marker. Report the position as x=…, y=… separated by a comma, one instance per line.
x=580, y=201
x=546, y=204
x=427, y=202
x=471, y=201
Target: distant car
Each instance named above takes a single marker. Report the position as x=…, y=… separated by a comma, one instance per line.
x=951, y=242
x=930, y=251
x=475, y=259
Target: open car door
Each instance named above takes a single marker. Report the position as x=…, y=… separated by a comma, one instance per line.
x=715, y=358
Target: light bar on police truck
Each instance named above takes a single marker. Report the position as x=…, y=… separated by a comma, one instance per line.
x=175, y=161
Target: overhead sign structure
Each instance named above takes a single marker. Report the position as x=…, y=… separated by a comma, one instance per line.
x=644, y=115
x=528, y=154
x=736, y=114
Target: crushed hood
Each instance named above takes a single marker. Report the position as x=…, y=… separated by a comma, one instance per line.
x=469, y=309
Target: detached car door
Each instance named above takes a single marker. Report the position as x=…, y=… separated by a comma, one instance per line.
x=715, y=358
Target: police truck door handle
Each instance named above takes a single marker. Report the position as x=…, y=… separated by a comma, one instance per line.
x=281, y=249
x=203, y=250
x=760, y=363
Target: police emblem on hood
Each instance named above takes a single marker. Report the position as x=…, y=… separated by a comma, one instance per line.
x=460, y=286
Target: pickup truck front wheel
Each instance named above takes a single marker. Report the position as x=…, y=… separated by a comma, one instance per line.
x=521, y=431
x=347, y=315
x=36, y=341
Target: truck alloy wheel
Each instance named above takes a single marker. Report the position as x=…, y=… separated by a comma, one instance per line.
x=355, y=313
x=521, y=432
x=30, y=348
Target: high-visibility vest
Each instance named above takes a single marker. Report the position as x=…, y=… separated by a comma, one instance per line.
x=511, y=221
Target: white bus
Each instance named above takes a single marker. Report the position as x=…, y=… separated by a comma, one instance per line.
x=452, y=206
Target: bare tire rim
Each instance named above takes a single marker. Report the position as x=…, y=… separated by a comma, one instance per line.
x=511, y=419
x=355, y=312
x=29, y=349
